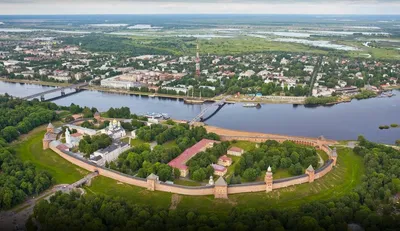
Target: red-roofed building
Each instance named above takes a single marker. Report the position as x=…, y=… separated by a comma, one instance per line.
x=219, y=170
x=235, y=151
x=225, y=161
x=62, y=147
x=76, y=134
x=180, y=161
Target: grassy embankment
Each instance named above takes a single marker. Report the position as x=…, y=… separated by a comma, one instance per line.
x=337, y=183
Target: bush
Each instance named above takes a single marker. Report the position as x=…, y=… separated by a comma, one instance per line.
x=394, y=125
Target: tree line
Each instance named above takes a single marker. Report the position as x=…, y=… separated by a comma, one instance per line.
x=18, y=116
x=18, y=179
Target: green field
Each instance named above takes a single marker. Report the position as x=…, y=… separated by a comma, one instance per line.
x=337, y=183
x=244, y=44
x=245, y=145
x=30, y=149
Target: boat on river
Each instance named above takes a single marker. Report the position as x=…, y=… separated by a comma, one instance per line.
x=154, y=115
x=257, y=105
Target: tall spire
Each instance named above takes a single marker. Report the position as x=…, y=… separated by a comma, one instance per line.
x=197, y=61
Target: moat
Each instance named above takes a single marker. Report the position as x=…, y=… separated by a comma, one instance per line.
x=341, y=122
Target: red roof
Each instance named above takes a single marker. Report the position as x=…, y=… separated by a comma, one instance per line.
x=76, y=134
x=235, y=149
x=62, y=147
x=225, y=158
x=180, y=161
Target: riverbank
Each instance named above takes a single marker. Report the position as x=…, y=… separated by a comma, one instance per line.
x=37, y=82
x=231, y=99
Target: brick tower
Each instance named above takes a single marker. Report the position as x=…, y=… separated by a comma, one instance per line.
x=268, y=179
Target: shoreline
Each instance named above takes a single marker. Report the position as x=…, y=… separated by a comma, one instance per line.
x=265, y=100
x=270, y=99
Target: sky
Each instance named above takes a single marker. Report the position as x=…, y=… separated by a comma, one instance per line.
x=38, y=7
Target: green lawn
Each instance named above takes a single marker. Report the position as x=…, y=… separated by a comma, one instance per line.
x=170, y=144
x=31, y=150
x=323, y=155
x=135, y=142
x=245, y=145
x=281, y=173
x=138, y=195
x=186, y=182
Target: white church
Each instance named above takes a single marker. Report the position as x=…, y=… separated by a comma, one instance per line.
x=114, y=130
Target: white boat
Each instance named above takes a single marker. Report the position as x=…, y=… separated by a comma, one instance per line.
x=250, y=105
x=152, y=96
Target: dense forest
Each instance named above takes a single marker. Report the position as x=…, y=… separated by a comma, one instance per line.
x=369, y=206
x=19, y=116
x=104, y=43
x=17, y=179
x=287, y=155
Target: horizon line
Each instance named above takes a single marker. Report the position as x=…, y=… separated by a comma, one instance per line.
x=378, y=14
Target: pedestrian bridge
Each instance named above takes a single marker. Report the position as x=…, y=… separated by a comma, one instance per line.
x=220, y=103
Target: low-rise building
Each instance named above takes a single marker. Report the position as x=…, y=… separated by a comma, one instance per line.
x=180, y=161
x=109, y=154
x=219, y=170
x=225, y=161
x=235, y=151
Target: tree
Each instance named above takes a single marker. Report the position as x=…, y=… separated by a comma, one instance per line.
x=398, y=142
x=250, y=174
x=199, y=175
x=9, y=133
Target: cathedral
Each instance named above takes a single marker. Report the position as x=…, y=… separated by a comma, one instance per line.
x=114, y=130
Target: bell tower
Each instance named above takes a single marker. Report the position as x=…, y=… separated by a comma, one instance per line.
x=268, y=179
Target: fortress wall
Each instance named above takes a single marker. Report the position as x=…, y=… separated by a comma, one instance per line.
x=200, y=190
x=194, y=191
x=288, y=183
x=104, y=172
x=246, y=189
x=324, y=169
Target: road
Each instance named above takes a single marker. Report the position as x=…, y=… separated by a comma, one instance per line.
x=16, y=218
x=314, y=75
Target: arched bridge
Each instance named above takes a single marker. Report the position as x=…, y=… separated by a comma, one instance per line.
x=62, y=89
x=199, y=117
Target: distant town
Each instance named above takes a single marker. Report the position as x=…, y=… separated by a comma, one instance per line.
x=249, y=77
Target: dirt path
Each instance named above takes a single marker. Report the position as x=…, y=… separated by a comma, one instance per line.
x=175, y=199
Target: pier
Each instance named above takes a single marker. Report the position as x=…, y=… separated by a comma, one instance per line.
x=221, y=103
x=77, y=87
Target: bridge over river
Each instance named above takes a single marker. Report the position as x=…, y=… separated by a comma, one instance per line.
x=220, y=103
x=77, y=87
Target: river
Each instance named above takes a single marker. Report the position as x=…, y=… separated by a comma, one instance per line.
x=341, y=122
